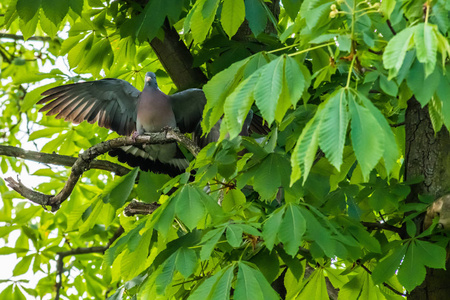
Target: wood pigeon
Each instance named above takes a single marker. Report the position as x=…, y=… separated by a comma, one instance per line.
x=117, y=105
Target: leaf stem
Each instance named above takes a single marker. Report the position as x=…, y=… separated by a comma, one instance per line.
x=312, y=48
x=350, y=71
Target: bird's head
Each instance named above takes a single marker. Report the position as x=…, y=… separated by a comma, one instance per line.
x=150, y=79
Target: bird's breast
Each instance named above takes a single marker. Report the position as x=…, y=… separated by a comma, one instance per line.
x=154, y=114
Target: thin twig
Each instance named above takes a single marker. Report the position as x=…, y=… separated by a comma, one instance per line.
x=383, y=226
x=76, y=251
x=387, y=285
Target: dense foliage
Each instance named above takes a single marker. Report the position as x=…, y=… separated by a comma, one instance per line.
x=323, y=194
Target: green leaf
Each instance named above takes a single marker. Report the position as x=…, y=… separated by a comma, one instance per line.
x=28, y=9
x=368, y=147
x=416, y=81
x=217, y=89
x=232, y=16
x=247, y=286
x=189, y=208
x=234, y=235
x=121, y=189
x=431, y=255
x=165, y=277
x=23, y=265
x=426, y=46
x=269, y=86
x=256, y=16
x=233, y=199
x=270, y=175
x=28, y=28
x=200, y=20
x=306, y=148
x=186, y=261
x=222, y=288
x=386, y=268
x=237, y=106
x=76, y=6
x=333, y=128
x=294, y=79
x=218, y=285
x=317, y=233
x=391, y=153
x=271, y=228
x=55, y=11
x=292, y=7
x=210, y=239
x=150, y=185
x=388, y=86
x=316, y=287
x=411, y=272
x=151, y=20
x=292, y=229
x=395, y=51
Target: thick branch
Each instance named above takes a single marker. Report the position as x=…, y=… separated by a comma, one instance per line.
x=61, y=160
x=84, y=160
x=177, y=60
x=140, y=208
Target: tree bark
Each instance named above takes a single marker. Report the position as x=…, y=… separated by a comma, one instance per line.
x=427, y=155
x=177, y=60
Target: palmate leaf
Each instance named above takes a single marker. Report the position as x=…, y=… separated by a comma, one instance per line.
x=391, y=151
x=412, y=271
x=189, y=208
x=333, y=128
x=251, y=284
x=268, y=88
x=200, y=18
x=292, y=229
x=395, y=51
x=306, y=148
x=219, y=286
x=237, y=106
x=27, y=9
x=367, y=141
x=255, y=15
x=386, y=268
x=426, y=46
x=55, y=11
x=271, y=228
x=316, y=287
x=217, y=90
x=232, y=16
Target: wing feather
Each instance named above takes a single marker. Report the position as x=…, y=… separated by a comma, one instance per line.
x=110, y=102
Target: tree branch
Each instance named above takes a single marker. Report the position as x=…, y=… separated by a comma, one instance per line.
x=140, y=208
x=61, y=160
x=84, y=160
x=17, y=37
x=76, y=251
x=383, y=226
x=384, y=283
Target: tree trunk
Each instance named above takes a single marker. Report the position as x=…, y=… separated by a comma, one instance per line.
x=427, y=155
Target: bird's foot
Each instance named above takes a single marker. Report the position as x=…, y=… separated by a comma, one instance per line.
x=134, y=136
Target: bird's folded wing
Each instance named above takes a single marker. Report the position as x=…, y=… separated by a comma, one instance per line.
x=188, y=108
x=110, y=102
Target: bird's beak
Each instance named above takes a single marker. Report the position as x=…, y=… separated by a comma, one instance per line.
x=148, y=78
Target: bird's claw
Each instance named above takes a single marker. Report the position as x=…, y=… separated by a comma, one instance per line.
x=134, y=136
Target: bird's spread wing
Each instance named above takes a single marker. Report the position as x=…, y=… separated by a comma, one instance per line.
x=110, y=102
x=188, y=108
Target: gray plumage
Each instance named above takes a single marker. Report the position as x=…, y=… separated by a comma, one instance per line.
x=117, y=105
